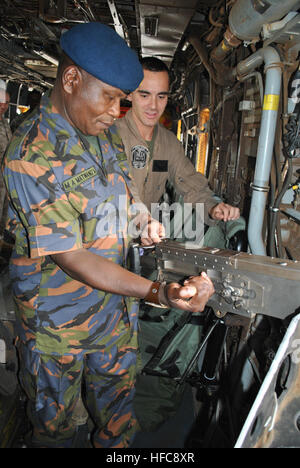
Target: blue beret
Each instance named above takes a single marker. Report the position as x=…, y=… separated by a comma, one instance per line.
x=100, y=51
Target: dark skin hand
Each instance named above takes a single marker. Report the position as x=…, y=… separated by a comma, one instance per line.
x=195, y=293
x=88, y=268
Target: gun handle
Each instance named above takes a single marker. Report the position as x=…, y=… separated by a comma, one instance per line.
x=133, y=261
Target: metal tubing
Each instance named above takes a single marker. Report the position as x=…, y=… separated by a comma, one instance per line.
x=260, y=186
x=246, y=21
x=247, y=17
x=229, y=43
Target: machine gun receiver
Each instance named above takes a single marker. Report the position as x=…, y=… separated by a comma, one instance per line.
x=245, y=284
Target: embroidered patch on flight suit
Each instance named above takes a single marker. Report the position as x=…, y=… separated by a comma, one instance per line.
x=139, y=155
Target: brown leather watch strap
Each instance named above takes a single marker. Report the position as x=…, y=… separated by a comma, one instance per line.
x=152, y=297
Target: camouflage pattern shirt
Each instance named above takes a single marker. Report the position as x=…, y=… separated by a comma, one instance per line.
x=65, y=195
x=5, y=135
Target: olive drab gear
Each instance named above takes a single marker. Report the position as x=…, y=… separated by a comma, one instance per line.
x=167, y=345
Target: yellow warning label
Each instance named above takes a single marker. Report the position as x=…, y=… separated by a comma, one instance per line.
x=271, y=102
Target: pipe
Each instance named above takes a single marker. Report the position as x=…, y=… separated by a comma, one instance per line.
x=247, y=17
x=246, y=20
x=201, y=51
x=260, y=186
x=220, y=76
x=227, y=45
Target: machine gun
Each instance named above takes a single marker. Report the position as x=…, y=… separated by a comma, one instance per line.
x=234, y=354
x=244, y=284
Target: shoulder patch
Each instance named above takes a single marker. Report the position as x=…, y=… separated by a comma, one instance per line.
x=139, y=155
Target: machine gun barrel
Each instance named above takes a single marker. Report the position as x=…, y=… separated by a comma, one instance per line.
x=244, y=284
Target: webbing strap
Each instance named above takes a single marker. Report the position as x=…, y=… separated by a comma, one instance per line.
x=166, y=340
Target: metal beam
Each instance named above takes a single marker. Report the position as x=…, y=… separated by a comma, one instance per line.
x=120, y=29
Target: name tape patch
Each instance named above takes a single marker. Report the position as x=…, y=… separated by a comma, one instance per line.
x=83, y=176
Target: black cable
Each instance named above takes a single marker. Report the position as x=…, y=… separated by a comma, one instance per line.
x=275, y=207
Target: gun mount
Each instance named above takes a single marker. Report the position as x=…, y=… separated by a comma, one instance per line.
x=245, y=284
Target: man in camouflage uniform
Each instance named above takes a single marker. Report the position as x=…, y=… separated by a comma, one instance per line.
x=5, y=136
x=68, y=184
